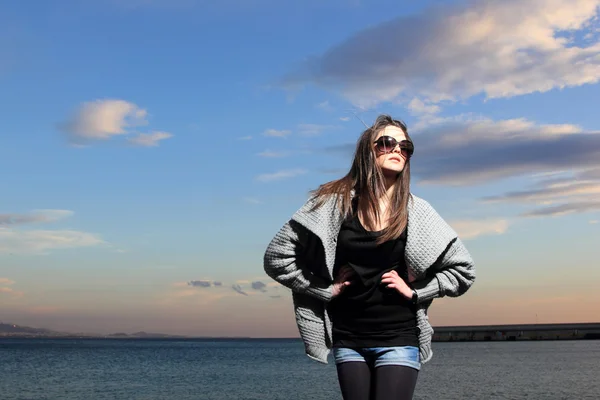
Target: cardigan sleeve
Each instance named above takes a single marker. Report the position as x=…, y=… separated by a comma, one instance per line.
x=284, y=261
x=454, y=274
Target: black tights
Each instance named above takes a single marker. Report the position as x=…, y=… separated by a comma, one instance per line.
x=360, y=381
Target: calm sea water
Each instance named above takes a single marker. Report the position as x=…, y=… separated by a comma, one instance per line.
x=278, y=369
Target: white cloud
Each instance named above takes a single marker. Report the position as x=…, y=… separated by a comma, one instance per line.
x=106, y=119
x=6, y=281
x=418, y=107
x=245, y=138
x=594, y=221
x=277, y=133
x=471, y=229
x=19, y=241
x=455, y=51
x=102, y=119
x=279, y=175
x=149, y=139
x=41, y=241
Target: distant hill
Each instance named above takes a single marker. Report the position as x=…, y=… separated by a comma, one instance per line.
x=18, y=330
x=13, y=330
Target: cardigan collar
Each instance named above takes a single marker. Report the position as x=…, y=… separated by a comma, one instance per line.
x=428, y=235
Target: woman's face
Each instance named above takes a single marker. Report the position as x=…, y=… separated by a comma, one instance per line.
x=393, y=161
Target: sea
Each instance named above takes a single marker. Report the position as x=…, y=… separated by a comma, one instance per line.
x=273, y=369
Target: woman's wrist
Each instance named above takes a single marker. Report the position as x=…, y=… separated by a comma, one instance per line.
x=407, y=292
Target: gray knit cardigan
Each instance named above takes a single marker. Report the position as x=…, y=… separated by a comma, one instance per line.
x=301, y=257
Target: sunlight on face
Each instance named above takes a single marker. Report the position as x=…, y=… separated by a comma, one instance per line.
x=391, y=163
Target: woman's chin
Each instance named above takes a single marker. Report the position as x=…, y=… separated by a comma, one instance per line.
x=391, y=172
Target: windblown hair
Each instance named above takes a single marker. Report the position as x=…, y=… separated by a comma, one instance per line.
x=365, y=181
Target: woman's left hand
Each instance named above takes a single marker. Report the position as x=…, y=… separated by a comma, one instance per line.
x=394, y=281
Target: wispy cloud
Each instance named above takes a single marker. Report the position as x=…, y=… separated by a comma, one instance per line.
x=455, y=51
x=36, y=216
x=571, y=207
x=279, y=175
x=18, y=241
x=572, y=193
x=471, y=229
x=272, y=154
x=252, y=200
x=7, y=290
x=102, y=120
x=149, y=139
x=10, y=291
x=277, y=133
x=41, y=241
x=547, y=192
x=314, y=129
x=325, y=106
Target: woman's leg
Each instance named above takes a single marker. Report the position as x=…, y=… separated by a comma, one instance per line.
x=355, y=380
x=395, y=382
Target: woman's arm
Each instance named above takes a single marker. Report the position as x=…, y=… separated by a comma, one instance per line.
x=454, y=274
x=284, y=261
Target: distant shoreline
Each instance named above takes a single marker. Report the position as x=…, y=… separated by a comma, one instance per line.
x=473, y=333
x=231, y=339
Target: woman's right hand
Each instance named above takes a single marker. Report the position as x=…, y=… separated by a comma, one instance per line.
x=342, y=280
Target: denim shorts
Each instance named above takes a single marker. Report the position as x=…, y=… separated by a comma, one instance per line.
x=407, y=356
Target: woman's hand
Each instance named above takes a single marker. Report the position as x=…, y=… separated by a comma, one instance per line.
x=394, y=281
x=342, y=280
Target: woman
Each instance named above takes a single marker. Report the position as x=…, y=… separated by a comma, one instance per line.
x=364, y=259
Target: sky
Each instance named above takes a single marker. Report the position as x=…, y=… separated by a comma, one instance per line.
x=150, y=150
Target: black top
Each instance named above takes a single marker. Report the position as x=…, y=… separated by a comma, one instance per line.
x=366, y=313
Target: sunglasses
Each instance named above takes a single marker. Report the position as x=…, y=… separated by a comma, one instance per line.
x=387, y=144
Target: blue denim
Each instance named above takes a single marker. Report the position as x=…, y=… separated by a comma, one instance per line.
x=407, y=356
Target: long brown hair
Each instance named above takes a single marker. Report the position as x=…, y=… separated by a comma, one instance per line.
x=365, y=180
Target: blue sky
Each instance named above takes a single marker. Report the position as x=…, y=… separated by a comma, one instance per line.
x=151, y=148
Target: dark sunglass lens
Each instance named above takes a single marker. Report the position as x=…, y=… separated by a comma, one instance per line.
x=386, y=143
x=408, y=146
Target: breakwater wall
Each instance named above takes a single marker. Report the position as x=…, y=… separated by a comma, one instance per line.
x=578, y=331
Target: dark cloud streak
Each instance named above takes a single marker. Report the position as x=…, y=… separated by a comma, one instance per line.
x=260, y=286
x=203, y=284
x=238, y=288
